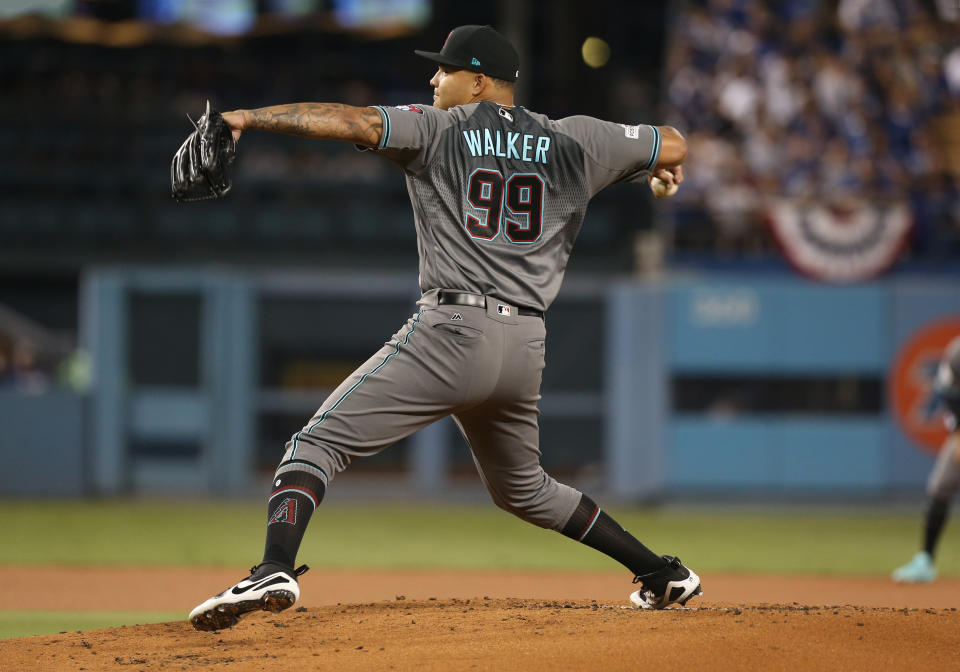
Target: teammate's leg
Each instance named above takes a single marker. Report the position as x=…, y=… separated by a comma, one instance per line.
x=942, y=487
x=934, y=521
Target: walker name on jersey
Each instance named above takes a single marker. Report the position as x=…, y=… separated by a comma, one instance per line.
x=520, y=146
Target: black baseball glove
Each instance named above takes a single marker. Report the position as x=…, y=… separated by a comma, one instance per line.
x=200, y=169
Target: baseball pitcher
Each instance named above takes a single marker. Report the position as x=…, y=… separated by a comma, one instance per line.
x=499, y=193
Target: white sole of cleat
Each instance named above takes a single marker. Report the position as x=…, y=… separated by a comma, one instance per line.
x=225, y=616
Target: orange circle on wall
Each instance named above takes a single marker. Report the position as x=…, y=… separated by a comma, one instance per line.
x=911, y=383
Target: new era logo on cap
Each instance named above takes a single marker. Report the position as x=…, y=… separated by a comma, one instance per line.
x=474, y=61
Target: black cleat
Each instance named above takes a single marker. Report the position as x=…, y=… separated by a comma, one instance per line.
x=268, y=588
x=674, y=584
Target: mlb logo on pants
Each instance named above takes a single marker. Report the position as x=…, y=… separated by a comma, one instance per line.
x=503, y=310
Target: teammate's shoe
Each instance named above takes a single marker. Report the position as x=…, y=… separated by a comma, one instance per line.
x=919, y=570
x=674, y=584
x=269, y=587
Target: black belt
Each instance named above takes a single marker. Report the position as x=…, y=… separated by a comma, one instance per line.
x=479, y=301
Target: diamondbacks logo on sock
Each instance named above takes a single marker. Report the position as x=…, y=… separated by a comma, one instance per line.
x=285, y=513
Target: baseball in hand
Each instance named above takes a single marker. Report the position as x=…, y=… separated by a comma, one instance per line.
x=661, y=189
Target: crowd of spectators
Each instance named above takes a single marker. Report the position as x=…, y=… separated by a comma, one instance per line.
x=89, y=163
x=29, y=369
x=805, y=99
x=20, y=369
x=35, y=358
x=815, y=100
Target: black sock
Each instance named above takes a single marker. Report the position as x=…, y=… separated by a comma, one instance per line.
x=593, y=527
x=298, y=489
x=936, y=518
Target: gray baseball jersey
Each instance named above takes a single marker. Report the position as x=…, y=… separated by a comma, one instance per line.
x=944, y=480
x=498, y=196
x=947, y=383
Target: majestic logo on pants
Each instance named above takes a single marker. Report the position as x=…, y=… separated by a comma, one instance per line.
x=285, y=513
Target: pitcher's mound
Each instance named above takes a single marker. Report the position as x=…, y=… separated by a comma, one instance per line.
x=515, y=634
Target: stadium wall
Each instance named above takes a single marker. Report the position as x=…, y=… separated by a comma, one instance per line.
x=710, y=385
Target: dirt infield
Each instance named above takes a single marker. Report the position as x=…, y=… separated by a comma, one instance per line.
x=422, y=620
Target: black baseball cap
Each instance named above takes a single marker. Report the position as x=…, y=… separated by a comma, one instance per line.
x=480, y=49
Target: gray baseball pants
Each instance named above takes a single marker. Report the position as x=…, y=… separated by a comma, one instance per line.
x=479, y=365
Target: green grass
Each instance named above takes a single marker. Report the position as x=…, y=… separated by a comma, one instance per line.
x=26, y=623
x=389, y=535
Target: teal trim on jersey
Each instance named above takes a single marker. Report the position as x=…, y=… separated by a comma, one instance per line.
x=655, y=152
x=406, y=340
x=385, y=138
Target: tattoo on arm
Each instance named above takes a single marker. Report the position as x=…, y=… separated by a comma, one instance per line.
x=328, y=121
